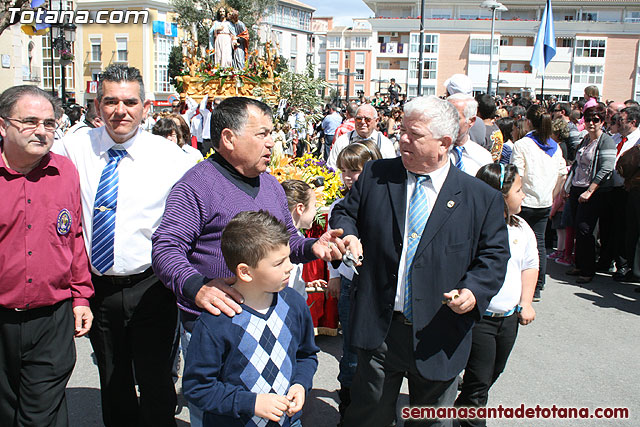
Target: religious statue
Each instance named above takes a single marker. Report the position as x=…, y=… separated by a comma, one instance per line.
x=221, y=38
x=240, y=41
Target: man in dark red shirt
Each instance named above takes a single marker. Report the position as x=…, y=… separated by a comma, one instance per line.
x=46, y=282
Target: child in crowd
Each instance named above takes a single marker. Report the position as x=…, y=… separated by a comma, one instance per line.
x=506, y=125
x=301, y=199
x=170, y=129
x=559, y=219
x=350, y=162
x=254, y=369
x=495, y=334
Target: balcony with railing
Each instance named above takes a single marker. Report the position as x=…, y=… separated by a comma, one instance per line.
x=32, y=74
x=528, y=79
x=393, y=49
x=388, y=74
x=523, y=53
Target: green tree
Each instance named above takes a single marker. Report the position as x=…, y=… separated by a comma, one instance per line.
x=302, y=90
x=283, y=65
x=202, y=12
x=175, y=66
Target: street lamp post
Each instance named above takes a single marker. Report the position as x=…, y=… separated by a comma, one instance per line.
x=498, y=82
x=337, y=99
x=421, y=49
x=493, y=5
x=348, y=75
x=63, y=36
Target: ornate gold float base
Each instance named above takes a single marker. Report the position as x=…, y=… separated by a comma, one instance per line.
x=196, y=88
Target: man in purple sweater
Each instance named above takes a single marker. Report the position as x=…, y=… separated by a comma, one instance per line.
x=186, y=246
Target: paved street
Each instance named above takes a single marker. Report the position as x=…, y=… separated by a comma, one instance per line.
x=582, y=351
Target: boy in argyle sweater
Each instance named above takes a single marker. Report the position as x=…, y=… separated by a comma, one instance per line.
x=254, y=369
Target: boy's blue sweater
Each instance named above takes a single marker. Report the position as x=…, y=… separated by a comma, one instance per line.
x=231, y=360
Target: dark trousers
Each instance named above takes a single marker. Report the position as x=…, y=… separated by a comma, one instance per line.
x=379, y=375
x=37, y=355
x=349, y=359
x=612, y=222
x=633, y=230
x=328, y=140
x=537, y=219
x=493, y=340
x=206, y=146
x=133, y=334
x=585, y=217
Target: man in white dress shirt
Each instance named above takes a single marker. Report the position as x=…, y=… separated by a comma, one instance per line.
x=366, y=123
x=466, y=154
x=125, y=176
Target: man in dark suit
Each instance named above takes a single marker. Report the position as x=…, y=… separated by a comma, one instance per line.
x=420, y=287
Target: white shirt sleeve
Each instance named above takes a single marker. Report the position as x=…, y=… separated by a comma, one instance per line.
x=530, y=259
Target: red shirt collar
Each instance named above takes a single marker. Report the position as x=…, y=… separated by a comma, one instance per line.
x=48, y=161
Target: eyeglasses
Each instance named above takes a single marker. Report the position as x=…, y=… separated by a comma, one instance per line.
x=593, y=119
x=365, y=119
x=31, y=124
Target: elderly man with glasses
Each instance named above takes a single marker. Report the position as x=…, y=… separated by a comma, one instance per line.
x=46, y=284
x=366, y=129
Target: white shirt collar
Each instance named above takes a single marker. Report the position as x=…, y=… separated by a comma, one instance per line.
x=437, y=177
x=634, y=136
x=372, y=137
x=106, y=143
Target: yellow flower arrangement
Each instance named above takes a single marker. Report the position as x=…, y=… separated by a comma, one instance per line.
x=309, y=169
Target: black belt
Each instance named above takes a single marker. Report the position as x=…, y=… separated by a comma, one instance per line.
x=123, y=280
x=35, y=312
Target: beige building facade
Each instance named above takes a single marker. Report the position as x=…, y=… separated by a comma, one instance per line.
x=597, y=44
x=345, y=56
x=137, y=33
x=144, y=44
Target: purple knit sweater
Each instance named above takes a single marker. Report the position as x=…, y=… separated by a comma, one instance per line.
x=186, y=246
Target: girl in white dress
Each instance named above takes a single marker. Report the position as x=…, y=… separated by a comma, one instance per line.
x=495, y=334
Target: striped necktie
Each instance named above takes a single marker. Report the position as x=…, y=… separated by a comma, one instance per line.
x=458, y=149
x=417, y=219
x=104, y=213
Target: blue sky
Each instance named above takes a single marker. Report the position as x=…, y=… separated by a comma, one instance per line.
x=341, y=10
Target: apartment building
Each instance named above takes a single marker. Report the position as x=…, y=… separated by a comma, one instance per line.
x=20, y=58
x=288, y=27
x=144, y=44
x=344, y=55
x=597, y=43
x=26, y=58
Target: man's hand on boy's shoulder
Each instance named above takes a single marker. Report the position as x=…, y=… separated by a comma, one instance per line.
x=271, y=406
x=217, y=297
x=296, y=399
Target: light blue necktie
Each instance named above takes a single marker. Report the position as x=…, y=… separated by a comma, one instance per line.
x=458, y=149
x=104, y=213
x=417, y=219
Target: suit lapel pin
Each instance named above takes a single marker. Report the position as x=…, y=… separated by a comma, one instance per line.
x=450, y=203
